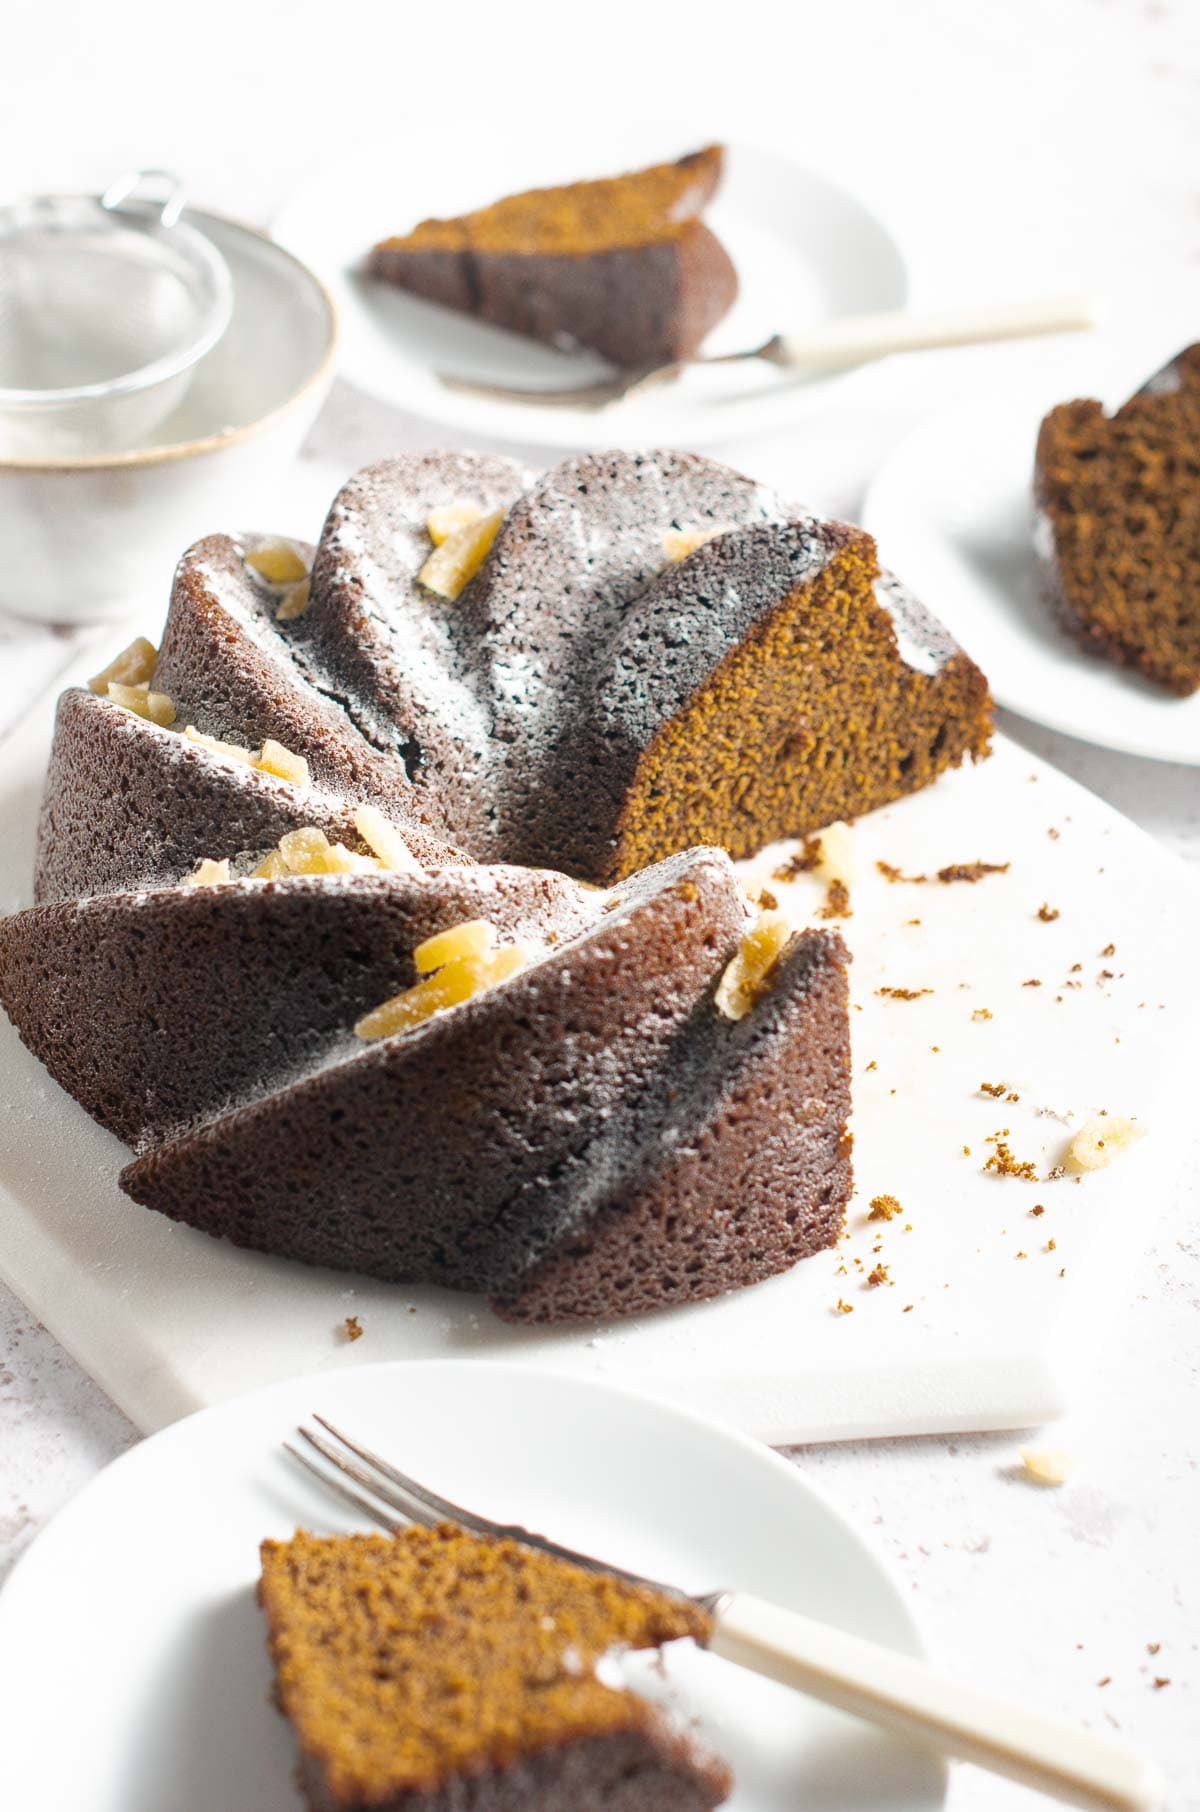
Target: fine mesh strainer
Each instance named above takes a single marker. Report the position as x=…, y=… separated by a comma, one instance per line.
x=106, y=306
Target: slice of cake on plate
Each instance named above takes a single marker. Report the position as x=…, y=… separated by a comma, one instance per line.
x=1118, y=525
x=437, y=1672
x=623, y=265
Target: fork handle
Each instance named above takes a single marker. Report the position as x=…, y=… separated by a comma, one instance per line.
x=916, y=1700
x=856, y=338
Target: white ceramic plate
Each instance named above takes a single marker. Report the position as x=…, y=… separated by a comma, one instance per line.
x=132, y=1623
x=804, y=250
x=952, y=507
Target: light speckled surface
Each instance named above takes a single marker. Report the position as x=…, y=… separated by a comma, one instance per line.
x=1006, y=1579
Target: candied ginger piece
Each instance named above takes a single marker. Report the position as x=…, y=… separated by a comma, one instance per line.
x=139, y=699
x=232, y=750
x=747, y=975
x=273, y=758
x=277, y=562
x=465, y=961
x=208, y=873
x=449, y=518
x=678, y=543
x=271, y=868
x=294, y=601
x=132, y=667
x=1046, y=1465
x=473, y=938
x=836, y=859
x=305, y=851
x=1102, y=1140
x=451, y=567
x=385, y=841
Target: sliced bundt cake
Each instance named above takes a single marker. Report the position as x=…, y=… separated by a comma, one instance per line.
x=438, y=1672
x=262, y=957
x=1118, y=524
x=449, y=1149
x=623, y=265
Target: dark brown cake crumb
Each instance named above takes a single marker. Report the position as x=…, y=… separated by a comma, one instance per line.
x=1003, y=1164
x=837, y=902
x=878, y=1276
x=971, y=871
x=807, y=857
x=1037, y=1209
x=1032, y=983
x=1047, y=914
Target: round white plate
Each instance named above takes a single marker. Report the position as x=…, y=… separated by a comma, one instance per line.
x=133, y=1671
x=952, y=513
x=804, y=250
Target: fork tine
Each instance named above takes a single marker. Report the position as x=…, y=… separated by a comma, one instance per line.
x=433, y=1507
x=331, y=1482
x=397, y=1488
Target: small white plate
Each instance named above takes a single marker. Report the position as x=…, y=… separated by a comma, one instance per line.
x=804, y=249
x=952, y=510
x=131, y=1623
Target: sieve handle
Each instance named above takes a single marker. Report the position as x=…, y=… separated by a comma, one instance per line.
x=131, y=182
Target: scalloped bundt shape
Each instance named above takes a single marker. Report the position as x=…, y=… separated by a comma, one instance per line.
x=486, y=684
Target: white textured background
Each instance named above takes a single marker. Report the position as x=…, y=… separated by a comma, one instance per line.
x=1015, y=148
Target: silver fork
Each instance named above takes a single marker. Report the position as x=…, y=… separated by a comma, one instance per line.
x=831, y=346
x=892, y=1690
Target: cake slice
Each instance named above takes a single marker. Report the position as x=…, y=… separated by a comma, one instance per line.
x=436, y=1672
x=623, y=265
x=1118, y=525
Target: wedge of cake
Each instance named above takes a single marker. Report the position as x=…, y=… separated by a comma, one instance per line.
x=433, y=1671
x=623, y=265
x=1118, y=524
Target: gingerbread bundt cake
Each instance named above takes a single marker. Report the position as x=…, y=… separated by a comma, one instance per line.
x=303, y=936
x=432, y=1670
x=623, y=265
x=1118, y=525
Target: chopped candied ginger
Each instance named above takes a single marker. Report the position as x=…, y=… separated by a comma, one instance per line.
x=454, y=966
x=208, y=873
x=271, y=868
x=294, y=601
x=139, y=699
x=385, y=841
x=273, y=758
x=1102, y=1140
x=747, y=976
x=308, y=851
x=836, y=860
x=678, y=543
x=278, y=562
x=449, y=518
x=451, y=567
x=134, y=666
x=1046, y=1465
x=233, y=751
x=461, y=943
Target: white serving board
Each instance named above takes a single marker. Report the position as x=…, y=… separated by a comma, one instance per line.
x=168, y=1320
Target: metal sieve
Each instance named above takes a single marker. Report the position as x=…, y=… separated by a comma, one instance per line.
x=107, y=304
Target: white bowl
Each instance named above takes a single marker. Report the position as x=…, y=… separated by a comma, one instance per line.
x=87, y=538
